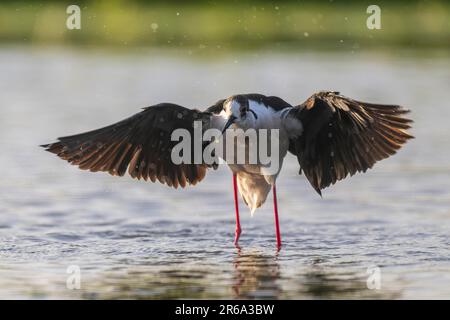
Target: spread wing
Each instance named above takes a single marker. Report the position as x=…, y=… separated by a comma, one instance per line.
x=141, y=143
x=342, y=136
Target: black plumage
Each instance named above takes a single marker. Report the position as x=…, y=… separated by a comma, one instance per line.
x=140, y=144
x=342, y=136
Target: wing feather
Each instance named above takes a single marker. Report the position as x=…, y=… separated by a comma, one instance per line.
x=342, y=136
x=140, y=144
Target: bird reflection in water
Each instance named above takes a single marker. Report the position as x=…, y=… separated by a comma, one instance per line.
x=255, y=276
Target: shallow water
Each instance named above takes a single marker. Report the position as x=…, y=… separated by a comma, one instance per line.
x=140, y=240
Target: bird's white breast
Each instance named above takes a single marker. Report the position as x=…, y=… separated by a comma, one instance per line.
x=269, y=119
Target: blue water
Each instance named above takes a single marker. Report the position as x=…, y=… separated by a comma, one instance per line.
x=134, y=239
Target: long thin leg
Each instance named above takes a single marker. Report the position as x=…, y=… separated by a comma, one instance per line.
x=275, y=210
x=236, y=205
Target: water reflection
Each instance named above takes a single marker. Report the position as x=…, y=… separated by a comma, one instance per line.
x=248, y=275
x=338, y=283
x=252, y=274
x=256, y=276
x=151, y=282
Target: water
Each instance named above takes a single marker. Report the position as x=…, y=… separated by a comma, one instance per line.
x=140, y=240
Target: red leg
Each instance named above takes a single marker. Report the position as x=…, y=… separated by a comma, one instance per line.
x=236, y=205
x=277, y=224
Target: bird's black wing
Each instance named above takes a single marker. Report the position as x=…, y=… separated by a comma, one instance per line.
x=141, y=143
x=342, y=136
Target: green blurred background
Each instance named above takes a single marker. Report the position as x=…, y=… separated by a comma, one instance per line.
x=215, y=27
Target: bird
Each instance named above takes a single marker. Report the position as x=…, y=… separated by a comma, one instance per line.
x=331, y=135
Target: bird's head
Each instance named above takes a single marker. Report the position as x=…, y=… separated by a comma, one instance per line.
x=238, y=112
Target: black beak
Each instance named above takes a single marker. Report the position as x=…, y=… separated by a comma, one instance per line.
x=230, y=121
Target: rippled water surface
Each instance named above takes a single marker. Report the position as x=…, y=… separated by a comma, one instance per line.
x=140, y=240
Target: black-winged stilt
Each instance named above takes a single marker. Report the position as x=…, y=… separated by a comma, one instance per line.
x=331, y=135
